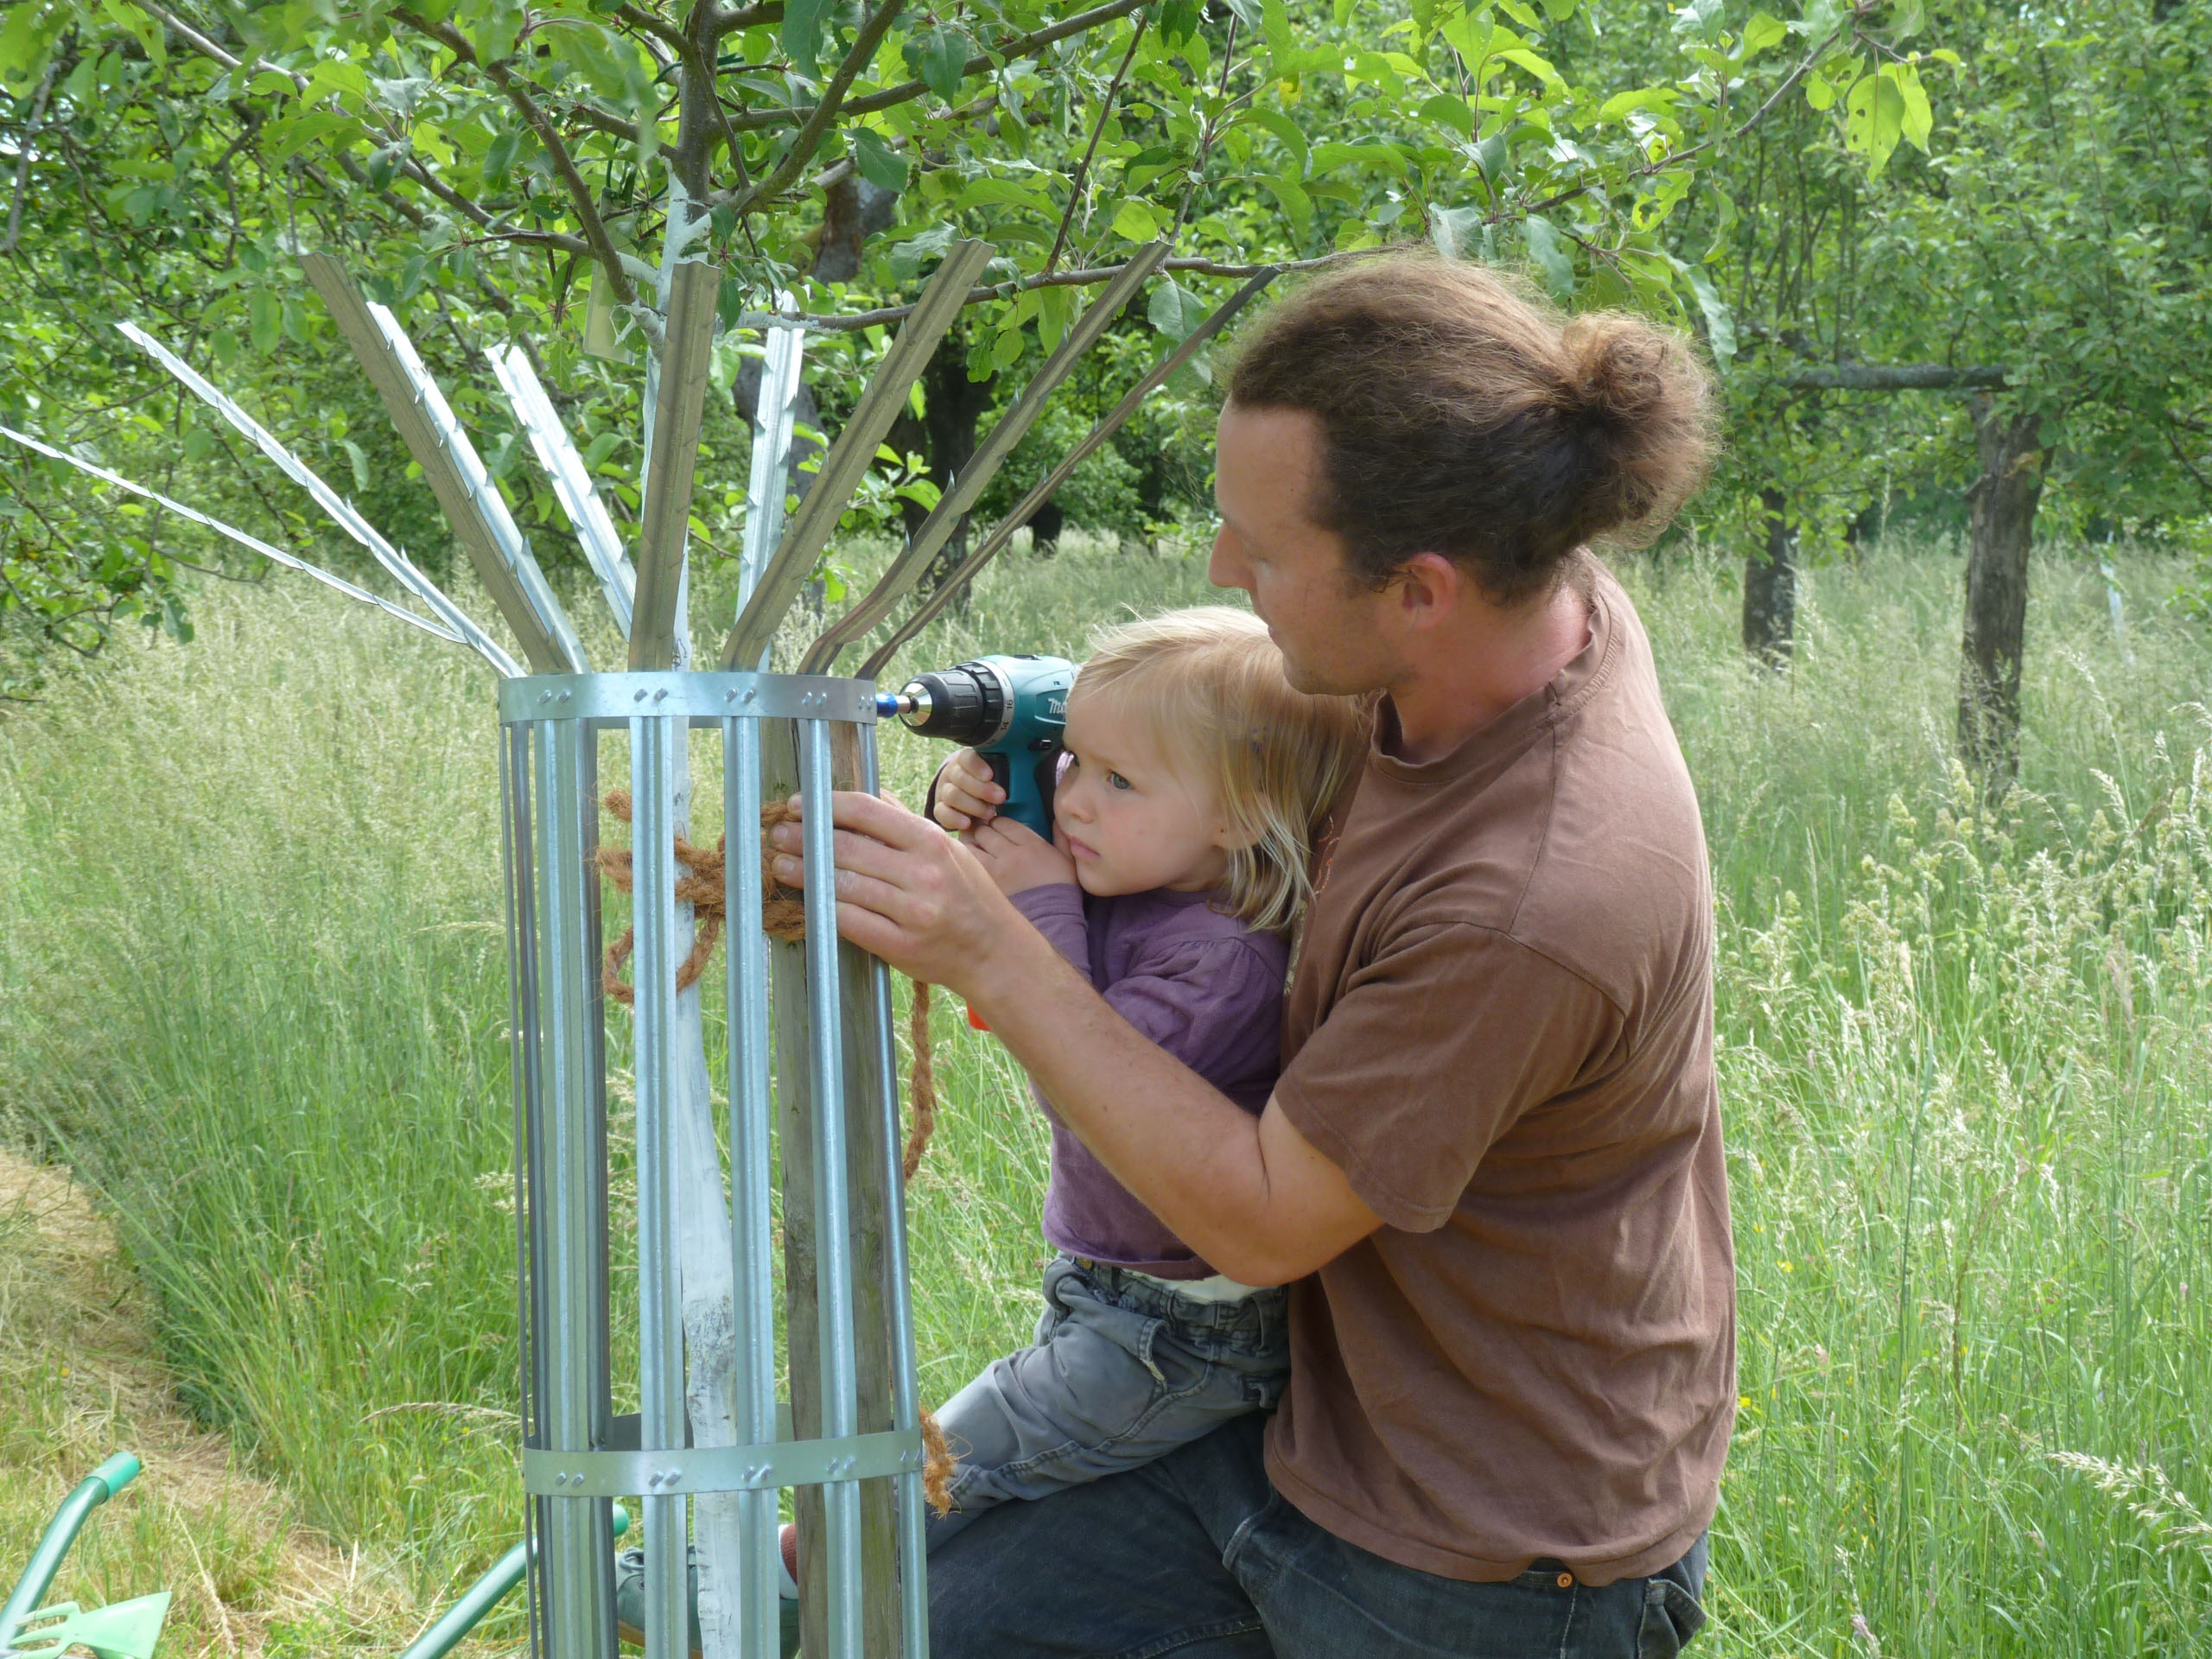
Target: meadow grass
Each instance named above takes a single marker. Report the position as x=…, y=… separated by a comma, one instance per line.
x=253, y=983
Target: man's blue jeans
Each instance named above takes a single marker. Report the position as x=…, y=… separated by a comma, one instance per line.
x=1196, y=1556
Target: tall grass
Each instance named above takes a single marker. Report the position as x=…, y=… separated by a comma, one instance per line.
x=251, y=977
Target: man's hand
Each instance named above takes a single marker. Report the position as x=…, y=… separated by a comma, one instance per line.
x=906, y=891
x=966, y=797
x=1018, y=858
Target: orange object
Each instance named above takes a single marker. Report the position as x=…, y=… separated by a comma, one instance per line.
x=976, y=1022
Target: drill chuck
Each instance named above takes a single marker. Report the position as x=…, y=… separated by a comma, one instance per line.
x=970, y=704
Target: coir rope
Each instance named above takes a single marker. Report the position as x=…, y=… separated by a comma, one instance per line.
x=704, y=886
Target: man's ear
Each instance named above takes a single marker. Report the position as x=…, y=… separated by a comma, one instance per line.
x=1429, y=588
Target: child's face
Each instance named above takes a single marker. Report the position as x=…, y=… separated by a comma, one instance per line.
x=1131, y=822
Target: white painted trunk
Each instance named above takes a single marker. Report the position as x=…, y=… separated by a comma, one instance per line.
x=709, y=1314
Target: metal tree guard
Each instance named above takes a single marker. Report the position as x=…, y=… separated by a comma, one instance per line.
x=811, y=1078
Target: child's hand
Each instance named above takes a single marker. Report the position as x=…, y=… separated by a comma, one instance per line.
x=966, y=795
x=1018, y=858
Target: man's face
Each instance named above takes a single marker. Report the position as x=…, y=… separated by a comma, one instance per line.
x=1333, y=630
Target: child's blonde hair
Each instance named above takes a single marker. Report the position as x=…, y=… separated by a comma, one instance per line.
x=1209, y=684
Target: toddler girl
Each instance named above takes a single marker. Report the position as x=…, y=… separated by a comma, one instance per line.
x=1196, y=784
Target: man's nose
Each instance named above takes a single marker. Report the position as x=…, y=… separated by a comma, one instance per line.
x=1225, y=568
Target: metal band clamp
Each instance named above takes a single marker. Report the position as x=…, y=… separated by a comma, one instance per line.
x=721, y=1468
x=699, y=696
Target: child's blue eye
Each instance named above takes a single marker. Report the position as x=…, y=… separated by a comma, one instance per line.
x=1114, y=780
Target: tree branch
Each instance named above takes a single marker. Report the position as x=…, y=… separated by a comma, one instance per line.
x=1897, y=376
x=1097, y=131
x=23, y=157
x=809, y=138
x=833, y=322
x=580, y=196
x=983, y=63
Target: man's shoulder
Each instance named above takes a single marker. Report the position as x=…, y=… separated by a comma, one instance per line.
x=1587, y=850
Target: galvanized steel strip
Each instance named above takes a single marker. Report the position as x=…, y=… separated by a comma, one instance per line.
x=752, y=1235
x=562, y=697
x=341, y=511
x=506, y=542
x=653, y=745
x=274, y=555
x=990, y=454
x=602, y=1474
x=839, y=1368
x=571, y=1336
x=572, y=485
x=905, y=1401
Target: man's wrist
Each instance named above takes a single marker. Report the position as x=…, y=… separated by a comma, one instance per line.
x=1012, y=974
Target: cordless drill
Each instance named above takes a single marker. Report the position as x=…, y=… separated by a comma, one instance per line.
x=1010, y=710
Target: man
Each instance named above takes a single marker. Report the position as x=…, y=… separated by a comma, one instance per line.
x=1492, y=1166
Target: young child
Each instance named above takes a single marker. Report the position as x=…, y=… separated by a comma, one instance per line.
x=1196, y=783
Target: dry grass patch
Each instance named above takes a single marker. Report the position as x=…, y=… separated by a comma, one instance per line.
x=79, y=1379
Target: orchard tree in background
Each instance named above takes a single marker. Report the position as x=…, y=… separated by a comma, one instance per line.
x=2019, y=280
x=495, y=169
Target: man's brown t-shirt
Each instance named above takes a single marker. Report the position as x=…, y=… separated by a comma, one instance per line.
x=1500, y=1028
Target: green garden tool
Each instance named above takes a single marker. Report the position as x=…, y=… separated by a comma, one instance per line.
x=127, y=1629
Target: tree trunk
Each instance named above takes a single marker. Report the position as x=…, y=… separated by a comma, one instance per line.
x=2003, y=503
x=952, y=407
x=1771, y=587
x=1045, y=527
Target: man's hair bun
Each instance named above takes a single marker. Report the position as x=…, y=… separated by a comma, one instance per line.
x=1463, y=415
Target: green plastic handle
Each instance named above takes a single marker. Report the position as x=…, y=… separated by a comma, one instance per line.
x=118, y=1472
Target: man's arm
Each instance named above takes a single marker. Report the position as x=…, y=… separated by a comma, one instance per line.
x=1249, y=1195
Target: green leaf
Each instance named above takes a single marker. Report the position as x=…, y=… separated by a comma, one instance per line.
x=1055, y=308
x=265, y=320
x=1449, y=110
x=802, y=35
x=1328, y=157
x=1134, y=221
x=1819, y=92
x=1560, y=10
x=27, y=42
x=1919, y=120
x=1450, y=228
x=1699, y=19
x=1247, y=13
x=1179, y=21
x=908, y=257
x=1763, y=30
x=1175, y=311
x=1873, y=120
x=1006, y=352
x=1489, y=161
x=1550, y=260
x=500, y=159
x=359, y=462
x=880, y=165
x=939, y=57
x=1286, y=131
x=1297, y=206
x=1719, y=321
x=290, y=136
x=1002, y=192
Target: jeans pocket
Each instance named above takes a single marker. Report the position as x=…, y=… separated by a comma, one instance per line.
x=1671, y=1617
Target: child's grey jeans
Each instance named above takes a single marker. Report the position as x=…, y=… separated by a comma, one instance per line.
x=1124, y=1369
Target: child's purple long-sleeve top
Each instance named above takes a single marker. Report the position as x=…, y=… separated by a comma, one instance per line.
x=1206, y=988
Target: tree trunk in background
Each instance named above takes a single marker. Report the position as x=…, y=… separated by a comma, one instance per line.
x=945, y=437
x=2004, y=502
x=1771, y=587
x=1045, y=527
